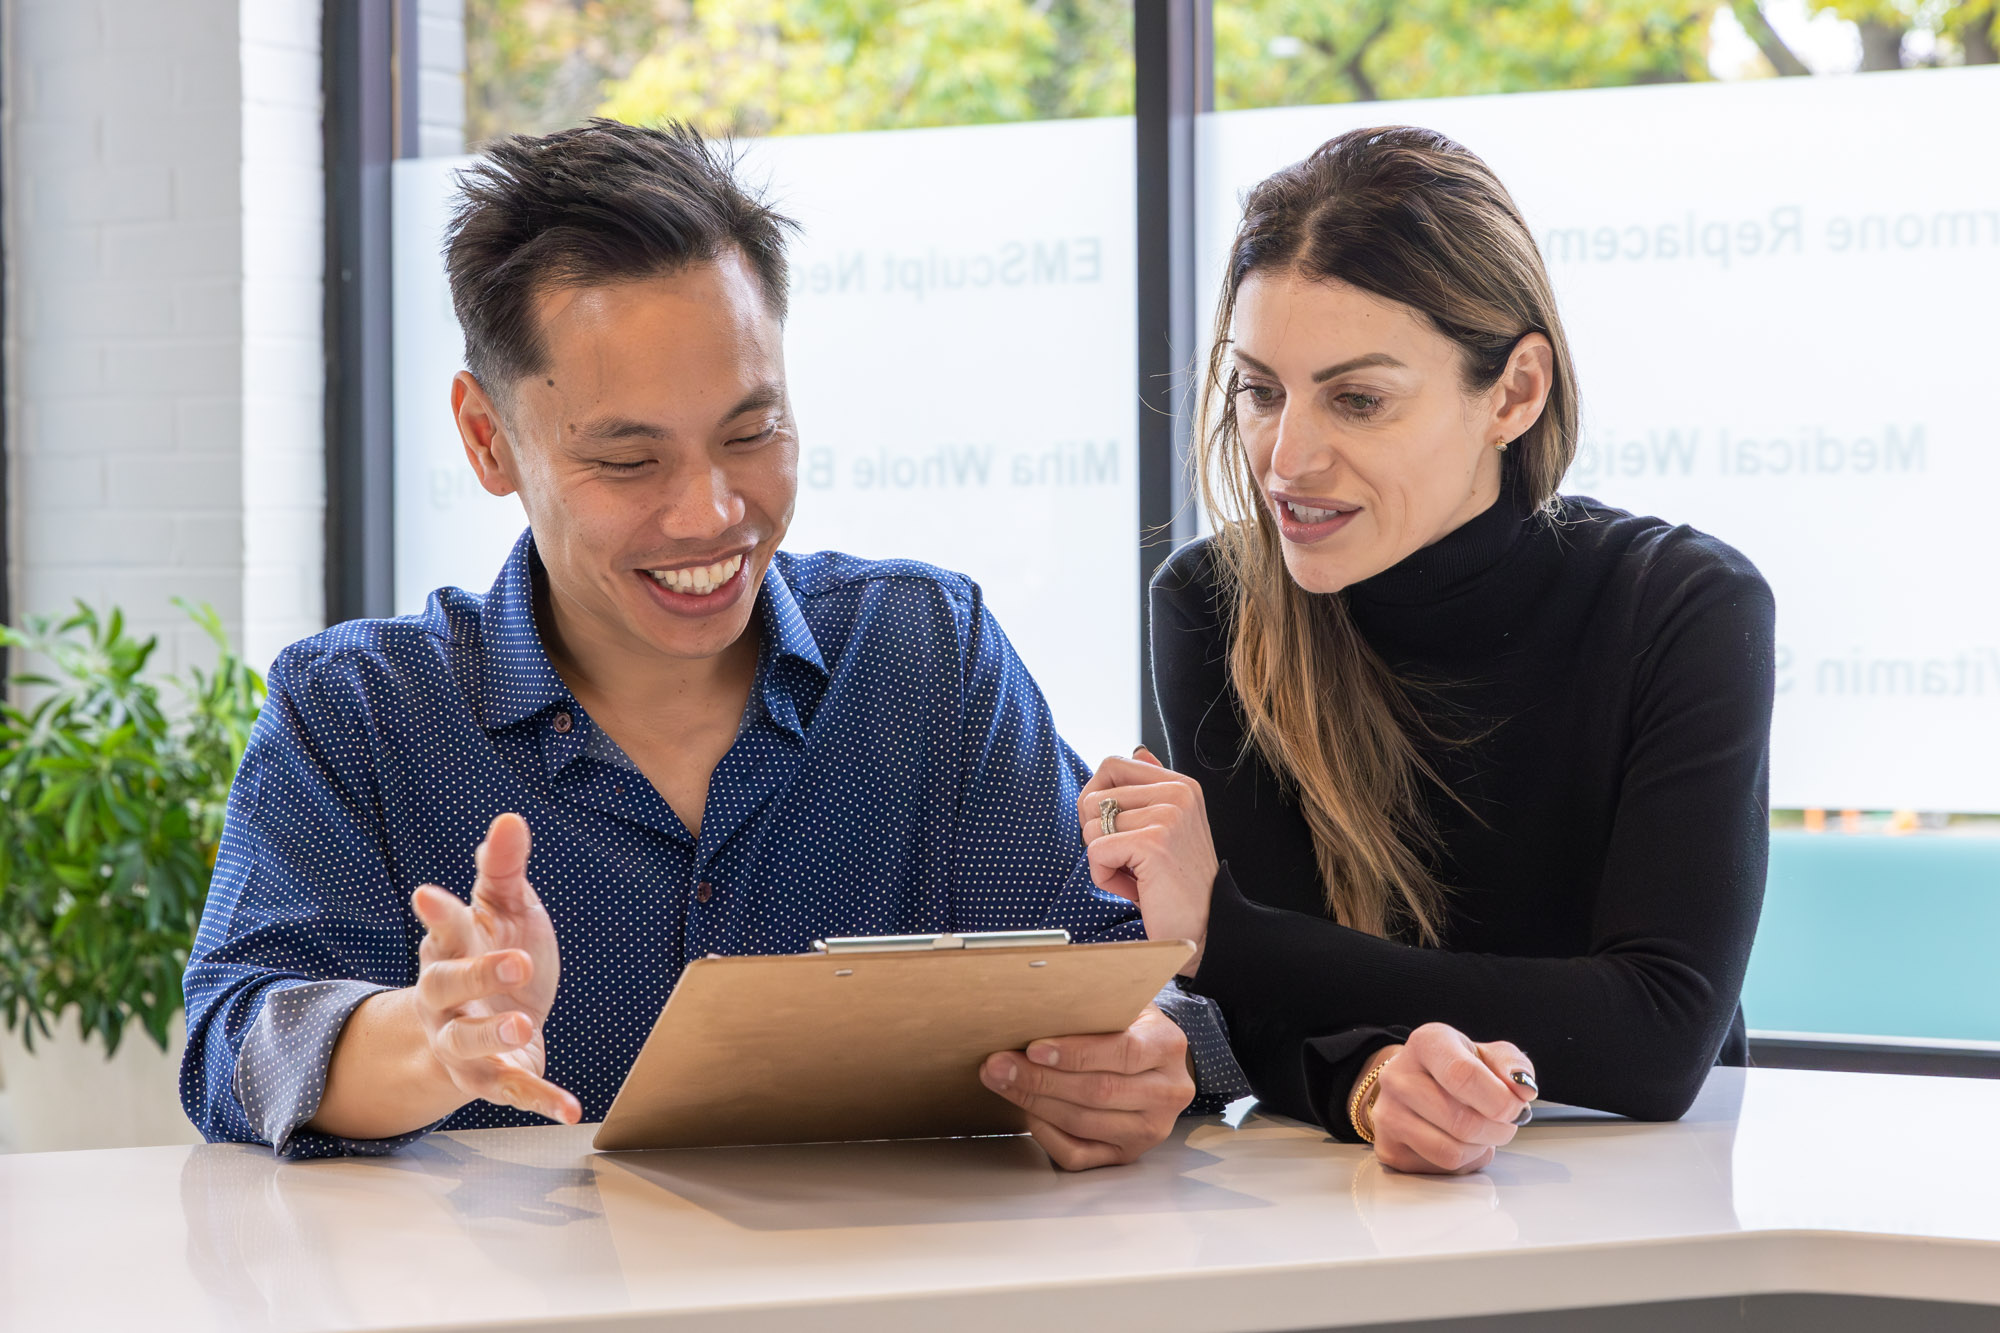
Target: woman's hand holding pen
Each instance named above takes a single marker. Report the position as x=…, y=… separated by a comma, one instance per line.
x=1156, y=850
x=1443, y=1103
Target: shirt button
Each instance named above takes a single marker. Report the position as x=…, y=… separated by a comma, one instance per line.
x=563, y=722
x=703, y=891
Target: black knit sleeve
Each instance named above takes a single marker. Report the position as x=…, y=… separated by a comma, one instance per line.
x=1630, y=1025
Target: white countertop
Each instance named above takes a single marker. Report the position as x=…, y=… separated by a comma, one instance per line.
x=1778, y=1181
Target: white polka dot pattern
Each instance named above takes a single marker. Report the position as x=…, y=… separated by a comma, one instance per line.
x=896, y=771
x=1217, y=1076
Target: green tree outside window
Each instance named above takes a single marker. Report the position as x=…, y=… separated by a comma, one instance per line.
x=761, y=67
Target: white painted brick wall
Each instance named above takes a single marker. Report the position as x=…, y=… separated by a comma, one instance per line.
x=125, y=265
x=283, y=374
x=164, y=268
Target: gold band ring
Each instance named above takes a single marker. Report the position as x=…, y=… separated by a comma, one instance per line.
x=1107, y=816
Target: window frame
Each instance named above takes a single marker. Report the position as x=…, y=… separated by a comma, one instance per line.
x=1174, y=59
x=372, y=118
x=6, y=398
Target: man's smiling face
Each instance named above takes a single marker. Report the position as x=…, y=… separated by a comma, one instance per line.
x=654, y=453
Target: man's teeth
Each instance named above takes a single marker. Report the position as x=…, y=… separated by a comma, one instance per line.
x=698, y=582
x=1305, y=514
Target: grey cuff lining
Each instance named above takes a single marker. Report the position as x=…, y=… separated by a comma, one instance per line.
x=281, y=1067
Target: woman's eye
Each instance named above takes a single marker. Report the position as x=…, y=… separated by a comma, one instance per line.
x=1260, y=395
x=1359, y=404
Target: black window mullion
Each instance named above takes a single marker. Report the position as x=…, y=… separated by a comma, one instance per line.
x=1174, y=83
x=361, y=141
x=6, y=489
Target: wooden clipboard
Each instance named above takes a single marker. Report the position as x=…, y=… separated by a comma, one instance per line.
x=826, y=1047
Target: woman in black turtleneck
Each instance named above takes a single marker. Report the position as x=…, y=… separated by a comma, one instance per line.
x=1467, y=793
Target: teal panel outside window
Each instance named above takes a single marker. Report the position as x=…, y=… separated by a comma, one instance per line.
x=1879, y=936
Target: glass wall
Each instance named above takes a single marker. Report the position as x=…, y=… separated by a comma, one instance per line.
x=961, y=344
x=1779, y=292
x=1778, y=288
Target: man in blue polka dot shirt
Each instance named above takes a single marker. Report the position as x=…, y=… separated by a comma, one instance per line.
x=718, y=746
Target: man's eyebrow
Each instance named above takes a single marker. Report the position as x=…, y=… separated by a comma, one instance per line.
x=1322, y=376
x=759, y=398
x=625, y=428
x=622, y=428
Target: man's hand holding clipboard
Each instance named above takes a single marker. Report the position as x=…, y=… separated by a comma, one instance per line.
x=472, y=1026
x=1098, y=1100
x=911, y=1037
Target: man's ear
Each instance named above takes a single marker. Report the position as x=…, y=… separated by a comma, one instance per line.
x=487, y=445
x=1523, y=387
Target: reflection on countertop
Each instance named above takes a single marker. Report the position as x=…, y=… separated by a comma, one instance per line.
x=532, y=1228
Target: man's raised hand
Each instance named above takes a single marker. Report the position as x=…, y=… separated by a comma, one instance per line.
x=487, y=978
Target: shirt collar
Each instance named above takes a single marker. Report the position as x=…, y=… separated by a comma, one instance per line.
x=791, y=674
x=517, y=680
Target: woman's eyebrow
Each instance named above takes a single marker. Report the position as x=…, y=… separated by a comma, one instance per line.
x=1322, y=376
x=1356, y=363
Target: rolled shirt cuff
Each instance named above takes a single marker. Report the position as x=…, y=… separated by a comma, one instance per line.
x=1218, y=1079
x=282, y=1064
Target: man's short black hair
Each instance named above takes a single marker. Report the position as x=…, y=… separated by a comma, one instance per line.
x=604, y=202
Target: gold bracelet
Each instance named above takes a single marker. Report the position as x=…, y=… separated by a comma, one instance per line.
x=1364, y=1100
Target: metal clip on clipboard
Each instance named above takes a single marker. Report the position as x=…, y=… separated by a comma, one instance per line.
x=978, y=939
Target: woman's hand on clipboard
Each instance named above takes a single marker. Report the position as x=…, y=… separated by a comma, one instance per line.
x=1145, y=830
x=1098, y=1100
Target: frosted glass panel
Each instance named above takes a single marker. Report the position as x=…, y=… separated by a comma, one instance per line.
x=1781, y=296
x=961, y=358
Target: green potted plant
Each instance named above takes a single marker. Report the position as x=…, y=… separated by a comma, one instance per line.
x=112, y=805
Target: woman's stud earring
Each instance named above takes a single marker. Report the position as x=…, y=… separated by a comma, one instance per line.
x=1501, y=445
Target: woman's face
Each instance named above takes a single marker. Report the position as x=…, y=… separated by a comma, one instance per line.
x=1359, y=431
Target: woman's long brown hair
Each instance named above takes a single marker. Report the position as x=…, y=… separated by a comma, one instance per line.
x=1410, y=216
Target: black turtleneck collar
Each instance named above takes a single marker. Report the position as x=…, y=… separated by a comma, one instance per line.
x=1458, y=558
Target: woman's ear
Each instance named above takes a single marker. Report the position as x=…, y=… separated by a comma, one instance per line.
x=1523, y=387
